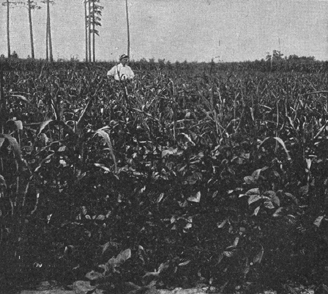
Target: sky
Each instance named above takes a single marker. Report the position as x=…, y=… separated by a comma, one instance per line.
x=178, y=30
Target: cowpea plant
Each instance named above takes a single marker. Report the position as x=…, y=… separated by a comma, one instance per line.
x=218, y=177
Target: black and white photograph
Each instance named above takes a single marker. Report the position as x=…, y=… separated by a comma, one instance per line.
x=164, y=147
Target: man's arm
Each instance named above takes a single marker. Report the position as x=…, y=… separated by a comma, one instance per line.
x=112, y=71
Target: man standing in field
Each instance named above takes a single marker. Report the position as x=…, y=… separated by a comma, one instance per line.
x=121, y=71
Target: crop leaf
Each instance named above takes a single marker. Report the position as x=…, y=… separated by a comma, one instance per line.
x=258, y=257
x=21, y=97
x=119, y=259
x=228, y=253
x=256, y=210
x=318, y=220
x=160, y=197
x=254, y=198
x=268, y=204
x=14, y=144
x=272, y=196
x=281, y=142
x=195, y=198
x=221, y=225
x=235, y=243
x=3, y=182
x=277, y=212
x=106, y=137
x=253, y=191
x=170, y=151
x=104, y=247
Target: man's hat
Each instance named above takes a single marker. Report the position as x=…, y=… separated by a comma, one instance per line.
x=124, y=56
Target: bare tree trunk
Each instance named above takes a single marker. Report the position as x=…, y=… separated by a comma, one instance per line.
x=31, y=28
x=2, y=103
x=47, y=37
x=49, y=31
x=89, y=23
x=86, y=30
x=93, y=32
x=8, y=29
x=127, y=26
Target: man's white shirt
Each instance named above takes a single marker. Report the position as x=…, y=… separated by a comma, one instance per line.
x=120, y=72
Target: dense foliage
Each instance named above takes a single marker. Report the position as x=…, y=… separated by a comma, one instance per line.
x=206, y=174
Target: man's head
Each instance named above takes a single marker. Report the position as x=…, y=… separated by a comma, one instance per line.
x=124, y=59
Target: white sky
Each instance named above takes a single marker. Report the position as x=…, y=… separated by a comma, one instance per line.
x=192, y=30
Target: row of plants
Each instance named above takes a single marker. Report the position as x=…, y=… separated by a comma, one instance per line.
x=177, y=179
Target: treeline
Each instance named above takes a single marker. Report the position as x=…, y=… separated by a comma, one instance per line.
x=290, y=64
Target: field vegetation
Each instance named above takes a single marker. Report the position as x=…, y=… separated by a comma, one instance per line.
x=192, y=174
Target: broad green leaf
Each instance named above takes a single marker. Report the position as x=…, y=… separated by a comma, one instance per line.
x=104, y=247
x=318, y=220
x=273, y=197
x=100, y=217
x=277, y=212
x=124, y=255
x=268, y=204
x=101, y=132
x=256, y=173
x=215, y=194
x=256, y=211
x=254, y=191
x=163, y=266
x=3, y=181
x=120, y=258
x=14, y=144
x=160, y=197
x=249, y=180
x=289, y=195
x=253, y=198
x=228, y=253
x=189, y=223
x=308, y=163
x=195, y=198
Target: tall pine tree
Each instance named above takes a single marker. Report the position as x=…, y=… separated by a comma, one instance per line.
x=92, y=14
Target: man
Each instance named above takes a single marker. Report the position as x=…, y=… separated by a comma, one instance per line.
x=121, y=71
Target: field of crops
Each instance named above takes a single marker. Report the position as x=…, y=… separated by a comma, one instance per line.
x=189, y=175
